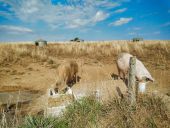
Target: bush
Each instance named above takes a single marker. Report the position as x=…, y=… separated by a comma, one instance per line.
x=81, y=114
x=41, y=122
x=149, y=112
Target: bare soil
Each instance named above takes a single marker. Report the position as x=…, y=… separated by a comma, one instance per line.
x=36, y=77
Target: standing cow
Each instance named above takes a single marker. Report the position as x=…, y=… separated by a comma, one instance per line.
x=142, y=74
x=66, y=76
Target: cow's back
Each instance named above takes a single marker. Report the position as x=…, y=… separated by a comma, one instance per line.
x=123, y=61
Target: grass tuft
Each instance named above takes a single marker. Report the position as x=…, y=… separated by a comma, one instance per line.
x=149, y=112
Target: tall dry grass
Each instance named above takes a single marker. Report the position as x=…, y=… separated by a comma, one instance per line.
x=97, y=50
x=149, y=112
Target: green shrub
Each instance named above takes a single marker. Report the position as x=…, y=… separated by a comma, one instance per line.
x=41, y=122
x=83, y=113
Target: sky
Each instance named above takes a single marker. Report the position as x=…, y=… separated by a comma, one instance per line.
x=62, y=20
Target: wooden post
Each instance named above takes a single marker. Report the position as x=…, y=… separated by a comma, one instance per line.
x=131, y=80
x=46, y=102
x=137, y=90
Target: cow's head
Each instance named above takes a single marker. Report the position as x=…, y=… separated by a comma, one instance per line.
x=147, y=79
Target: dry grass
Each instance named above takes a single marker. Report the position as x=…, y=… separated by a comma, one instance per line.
x=97, y=50
x=150, y=112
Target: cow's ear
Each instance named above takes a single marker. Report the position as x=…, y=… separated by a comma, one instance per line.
x=148, y=79
x=152, y=80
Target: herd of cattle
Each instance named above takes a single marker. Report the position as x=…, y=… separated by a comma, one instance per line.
x=67, y=74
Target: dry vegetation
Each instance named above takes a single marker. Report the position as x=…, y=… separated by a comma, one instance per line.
x=149, y=112
x=97, y=50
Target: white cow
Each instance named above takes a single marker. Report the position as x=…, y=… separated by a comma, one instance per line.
x=142, y=74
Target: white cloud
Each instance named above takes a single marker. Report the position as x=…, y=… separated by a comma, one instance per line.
x=100, y=15
x=120, y=10
x=77, y=23
x=14, y=29
x=121, y=21
x=110, y=4
x=73, y=14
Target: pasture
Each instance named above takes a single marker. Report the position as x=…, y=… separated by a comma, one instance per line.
x=27, y=71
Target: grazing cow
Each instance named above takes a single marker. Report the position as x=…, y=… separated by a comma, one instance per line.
x=142, y=74
x=66, y=76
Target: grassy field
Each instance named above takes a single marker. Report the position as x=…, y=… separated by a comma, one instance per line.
x=25, y=67
x=96, y=50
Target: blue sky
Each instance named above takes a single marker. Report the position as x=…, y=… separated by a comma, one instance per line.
x=59, y=20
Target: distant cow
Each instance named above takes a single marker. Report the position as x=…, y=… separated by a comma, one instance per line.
x=142, y=74
x=66, y=75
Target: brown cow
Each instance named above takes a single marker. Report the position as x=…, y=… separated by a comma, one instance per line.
x=66, y=75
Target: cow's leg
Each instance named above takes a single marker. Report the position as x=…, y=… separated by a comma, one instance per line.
x=119, y=71
x=121, y=74
x=125, y=78
x=124, y=75
x=56, y=90
x=75, y=78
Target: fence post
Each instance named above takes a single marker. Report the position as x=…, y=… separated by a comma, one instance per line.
x=132, y=81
